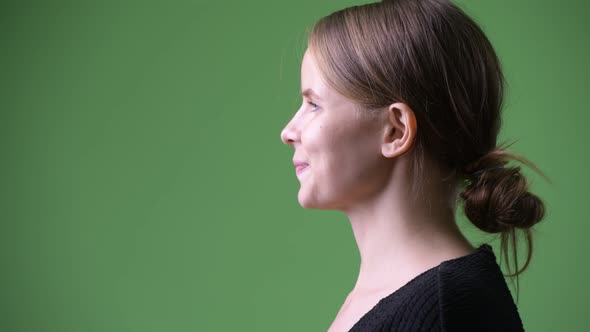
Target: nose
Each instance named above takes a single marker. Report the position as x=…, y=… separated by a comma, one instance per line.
x=290, y=134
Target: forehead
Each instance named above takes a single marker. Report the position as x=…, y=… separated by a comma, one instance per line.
x=312, y=82
x=309, y=71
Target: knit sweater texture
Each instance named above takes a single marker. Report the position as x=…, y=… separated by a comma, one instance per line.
x=468, y=293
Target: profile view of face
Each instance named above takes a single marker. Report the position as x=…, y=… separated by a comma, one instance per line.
x=341, y=150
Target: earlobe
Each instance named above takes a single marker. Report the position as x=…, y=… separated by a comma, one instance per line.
x=400, y=130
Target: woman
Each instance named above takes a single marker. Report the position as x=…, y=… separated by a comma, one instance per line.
x=400, y=115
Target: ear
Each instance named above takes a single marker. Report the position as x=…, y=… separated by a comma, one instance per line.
x=400, y=130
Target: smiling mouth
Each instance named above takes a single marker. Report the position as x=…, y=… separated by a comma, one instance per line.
x=301, y=168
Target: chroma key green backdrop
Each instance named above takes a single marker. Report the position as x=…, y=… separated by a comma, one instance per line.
x=144, y=186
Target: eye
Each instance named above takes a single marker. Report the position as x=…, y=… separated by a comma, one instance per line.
x=314, y=105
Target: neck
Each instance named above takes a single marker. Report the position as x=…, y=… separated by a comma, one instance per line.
x=399, y=238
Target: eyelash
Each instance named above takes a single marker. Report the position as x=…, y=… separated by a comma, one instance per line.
x=312, y=104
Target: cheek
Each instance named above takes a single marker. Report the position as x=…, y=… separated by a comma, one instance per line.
x=348, y=156
x=314, y=139
x=339, y=149
x=353, y=146
x=344, y=165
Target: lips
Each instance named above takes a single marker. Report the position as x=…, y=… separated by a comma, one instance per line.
x=300, y=166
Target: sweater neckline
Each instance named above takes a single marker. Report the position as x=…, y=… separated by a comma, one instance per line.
x=482, y=249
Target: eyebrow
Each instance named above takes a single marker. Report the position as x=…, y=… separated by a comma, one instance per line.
x=309, y=92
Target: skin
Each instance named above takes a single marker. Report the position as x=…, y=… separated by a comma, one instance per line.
x=361, y=167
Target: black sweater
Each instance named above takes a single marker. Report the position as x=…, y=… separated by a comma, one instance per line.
x=468, y=293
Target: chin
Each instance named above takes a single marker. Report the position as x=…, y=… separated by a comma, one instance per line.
x=308, y=203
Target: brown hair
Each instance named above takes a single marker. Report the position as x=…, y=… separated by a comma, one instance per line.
x=431, y=56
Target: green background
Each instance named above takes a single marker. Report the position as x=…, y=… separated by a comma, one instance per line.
x=144, y=185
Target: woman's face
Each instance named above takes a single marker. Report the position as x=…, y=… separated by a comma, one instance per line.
x=342, y=151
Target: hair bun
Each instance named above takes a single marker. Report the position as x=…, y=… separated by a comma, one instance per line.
x=497, y=197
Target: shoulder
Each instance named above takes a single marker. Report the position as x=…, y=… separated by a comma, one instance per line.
x=473, y=294
x=413, y=307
